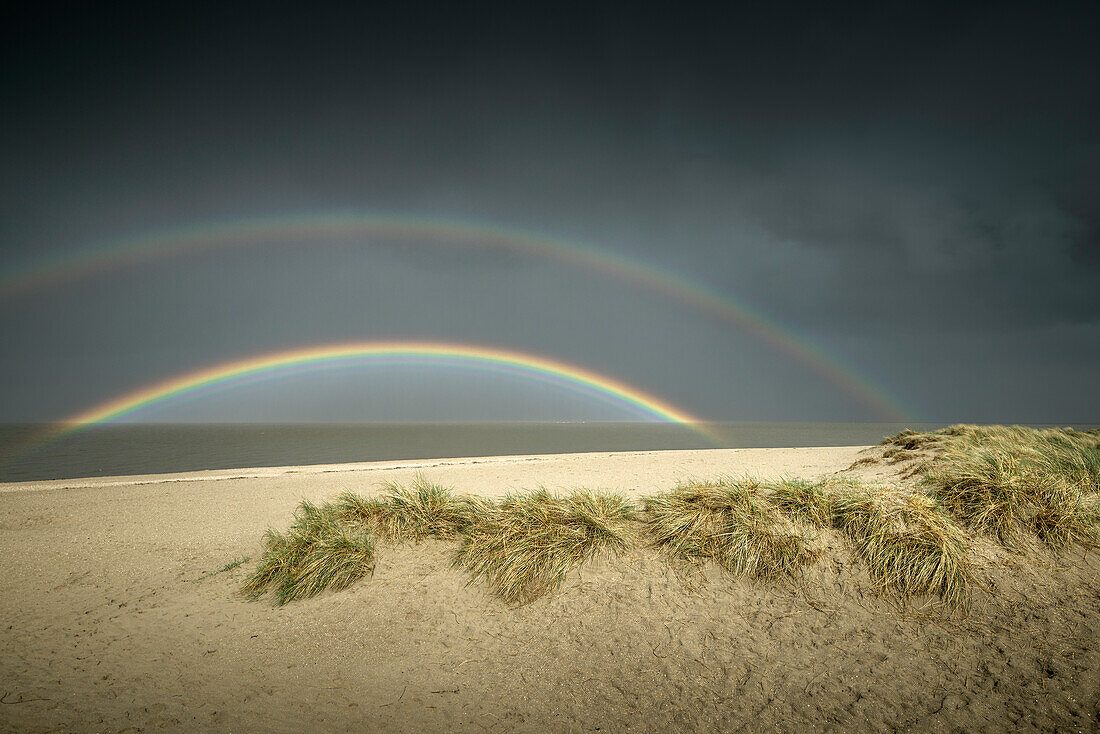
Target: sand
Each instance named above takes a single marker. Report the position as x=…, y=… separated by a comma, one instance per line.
x=112, y=623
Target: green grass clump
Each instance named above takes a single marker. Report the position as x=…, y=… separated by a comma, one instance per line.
x=405, y=514
x=807, y=502
x=1005, y=490
x=911, y=547
x=1007, y=481
x=1011, y=481
x=731, y=524
x=318, y=552
x=524, y=546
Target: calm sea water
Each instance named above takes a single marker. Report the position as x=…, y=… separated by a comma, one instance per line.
x=160, y=448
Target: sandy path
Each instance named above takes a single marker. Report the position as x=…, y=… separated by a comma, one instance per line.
x=108, y=628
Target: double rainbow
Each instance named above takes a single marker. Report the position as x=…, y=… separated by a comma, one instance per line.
x=121, y=253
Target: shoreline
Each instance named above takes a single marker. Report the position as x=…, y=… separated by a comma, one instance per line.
x=132, y=450
x=762, y=456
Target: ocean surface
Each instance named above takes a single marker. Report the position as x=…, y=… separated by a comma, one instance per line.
x=30, y=452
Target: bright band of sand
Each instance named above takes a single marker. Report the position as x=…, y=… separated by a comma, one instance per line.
x=117, y=619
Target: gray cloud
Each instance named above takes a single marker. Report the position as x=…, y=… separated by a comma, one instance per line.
x=912, y=192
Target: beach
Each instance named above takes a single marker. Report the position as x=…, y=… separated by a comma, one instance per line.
x=119, y=617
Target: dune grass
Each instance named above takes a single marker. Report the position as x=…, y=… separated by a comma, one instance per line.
x=910, y=545
x=424, y=510
x=1009, y=481
x=227, y=567
x=807, y=502
x=731, y=524
x=318, y=552
x=998, y=481
x=524, y=546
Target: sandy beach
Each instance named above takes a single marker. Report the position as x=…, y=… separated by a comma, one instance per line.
x=116, y=619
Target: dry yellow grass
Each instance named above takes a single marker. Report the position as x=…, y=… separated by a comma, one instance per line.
x=524, y=547
x=911, y=547
x=731, y=524
x=318, y=552
x=996, y=480
x=1007, y=481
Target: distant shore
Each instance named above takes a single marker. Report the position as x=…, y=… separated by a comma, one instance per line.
x=646, y=467
x=33, y=452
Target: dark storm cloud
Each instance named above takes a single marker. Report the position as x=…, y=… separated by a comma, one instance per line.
x=983, y=253
x=908, y=188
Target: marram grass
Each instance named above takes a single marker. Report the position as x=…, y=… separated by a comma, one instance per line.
x=318, y=552
x=911, y=547
x=807, y=502
x=1010, y=481
x=525, y=545
x=424, y=510
x=732, y=525
x=998, y=481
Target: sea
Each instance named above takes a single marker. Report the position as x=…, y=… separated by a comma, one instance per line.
x=37, y=452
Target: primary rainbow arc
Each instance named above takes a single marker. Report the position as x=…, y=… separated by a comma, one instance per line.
x=534, y=365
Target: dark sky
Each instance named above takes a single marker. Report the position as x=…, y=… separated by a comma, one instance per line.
x=914, y=193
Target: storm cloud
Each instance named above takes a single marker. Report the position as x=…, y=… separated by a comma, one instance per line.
x=913, y=193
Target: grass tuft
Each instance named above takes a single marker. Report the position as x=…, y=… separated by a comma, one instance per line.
x=731, y=524
x=911, y=547
x=1006, y=481
x=524, y=546
x=807, y=502
x=318, y=552
x=405, y=514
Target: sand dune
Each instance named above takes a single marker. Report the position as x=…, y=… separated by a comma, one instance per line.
x=113, y=621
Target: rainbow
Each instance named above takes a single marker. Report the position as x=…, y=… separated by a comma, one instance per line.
x=289, y=361
x=115, y=254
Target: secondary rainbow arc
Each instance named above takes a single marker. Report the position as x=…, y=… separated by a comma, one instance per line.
x=343, y=225
x=624, y=394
